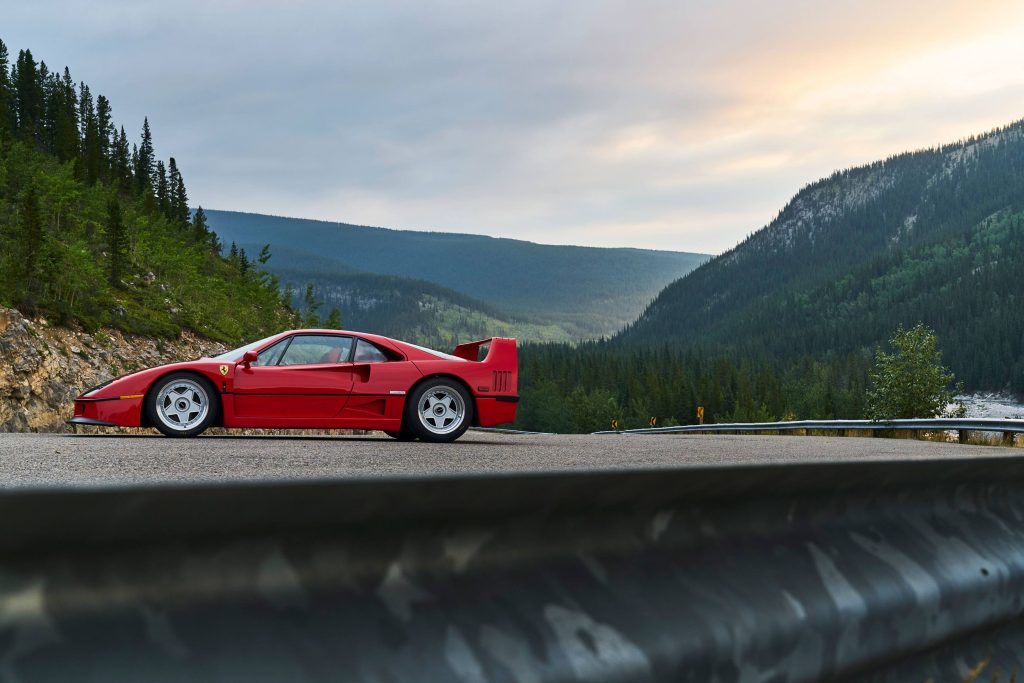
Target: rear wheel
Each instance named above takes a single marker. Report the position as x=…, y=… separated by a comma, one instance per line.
x=181, y=404
x=439, y=410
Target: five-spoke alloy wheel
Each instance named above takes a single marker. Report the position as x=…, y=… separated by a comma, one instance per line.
x=181, y=404
x=439, y=410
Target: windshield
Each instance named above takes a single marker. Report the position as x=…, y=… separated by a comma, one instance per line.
x=237, y=354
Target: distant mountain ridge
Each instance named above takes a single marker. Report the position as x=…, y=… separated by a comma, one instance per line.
x=585, y=291
x=935, y=235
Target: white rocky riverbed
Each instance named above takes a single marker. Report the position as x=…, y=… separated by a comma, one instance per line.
x=994, y=406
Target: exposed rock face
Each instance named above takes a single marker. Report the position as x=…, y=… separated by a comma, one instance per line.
x=43, y=368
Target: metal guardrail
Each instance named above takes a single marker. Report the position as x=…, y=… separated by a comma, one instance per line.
x=882, y=571
x=938, y=424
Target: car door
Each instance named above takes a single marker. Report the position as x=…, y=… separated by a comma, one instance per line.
x=302, y=380
x=382, y=377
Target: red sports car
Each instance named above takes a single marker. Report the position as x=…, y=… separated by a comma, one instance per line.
x=318, y=379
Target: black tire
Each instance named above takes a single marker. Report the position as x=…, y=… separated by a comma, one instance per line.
x=444, y=424
x=192, y=391
x=402, y=435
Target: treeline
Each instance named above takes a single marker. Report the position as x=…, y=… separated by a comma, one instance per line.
x=582, y=388
x=99, y=231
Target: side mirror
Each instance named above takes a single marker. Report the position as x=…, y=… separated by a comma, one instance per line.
x=249, y=357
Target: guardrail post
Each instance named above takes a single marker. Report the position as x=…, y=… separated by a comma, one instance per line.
x=963, y=435
x=1008, y=439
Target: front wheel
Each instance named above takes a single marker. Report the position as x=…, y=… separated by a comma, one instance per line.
x=439, y=410
x=181, y=404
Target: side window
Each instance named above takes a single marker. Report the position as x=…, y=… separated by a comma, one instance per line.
x=272, y=355
x=310, y=349
x=367, y=352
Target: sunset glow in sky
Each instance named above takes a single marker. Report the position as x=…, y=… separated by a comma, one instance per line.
x=678, y=125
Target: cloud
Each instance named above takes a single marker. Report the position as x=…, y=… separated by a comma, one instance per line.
x=682, y=125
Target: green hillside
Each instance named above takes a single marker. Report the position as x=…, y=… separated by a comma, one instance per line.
x=99, y=233
x=418, y=311
x=934, y=235
x=586, y=291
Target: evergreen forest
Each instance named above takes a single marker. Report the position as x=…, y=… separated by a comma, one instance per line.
x=96, y=230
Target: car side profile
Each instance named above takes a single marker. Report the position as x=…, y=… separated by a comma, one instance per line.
x=318, y=379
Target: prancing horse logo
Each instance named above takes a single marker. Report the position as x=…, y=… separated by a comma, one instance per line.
x=224, y=370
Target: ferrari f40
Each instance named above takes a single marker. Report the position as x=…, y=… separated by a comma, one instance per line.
x=318, y=379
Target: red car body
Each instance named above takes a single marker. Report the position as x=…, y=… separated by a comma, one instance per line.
x=331, y=393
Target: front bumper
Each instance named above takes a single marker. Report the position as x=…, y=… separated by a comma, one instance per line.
x=118, y=411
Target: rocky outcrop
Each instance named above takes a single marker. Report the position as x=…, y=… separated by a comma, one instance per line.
x=43, y=367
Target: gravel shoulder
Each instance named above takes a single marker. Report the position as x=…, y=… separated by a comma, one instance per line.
x=42, y=460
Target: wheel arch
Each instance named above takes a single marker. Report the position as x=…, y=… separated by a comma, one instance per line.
x=144, y=420
x=447, y=376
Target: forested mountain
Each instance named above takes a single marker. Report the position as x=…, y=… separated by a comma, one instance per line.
x=935, y=235
x=98, y=232
x=585, y=291
x=785, y=325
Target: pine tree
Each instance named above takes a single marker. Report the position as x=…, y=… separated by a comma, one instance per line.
x=310, y=306
x=162, y=195
x=6, y=94
x=65, y=105
x=28, y=96
x=51, y=107
x=44, y=134
x=117, y=242
x=106, y=132
x=288, y=296
x=333, y=321
x=178, y=195
x=200, y=230
x=145, y=161
x=122, y=161
x=264, y=254
x=90, y=134
x=135, y=167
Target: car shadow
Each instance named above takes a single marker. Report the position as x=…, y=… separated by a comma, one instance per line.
x=275, y=437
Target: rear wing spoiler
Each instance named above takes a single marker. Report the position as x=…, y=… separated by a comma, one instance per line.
x=501, y=350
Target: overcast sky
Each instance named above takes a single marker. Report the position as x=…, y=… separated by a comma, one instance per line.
x=682, y=125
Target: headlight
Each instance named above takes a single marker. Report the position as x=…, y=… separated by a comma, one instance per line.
x=97, y=387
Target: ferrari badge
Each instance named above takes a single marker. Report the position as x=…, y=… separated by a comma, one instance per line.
x=224, y=370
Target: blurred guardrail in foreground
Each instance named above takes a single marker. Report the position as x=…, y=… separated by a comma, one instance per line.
x=962, y=425
x=872, y=571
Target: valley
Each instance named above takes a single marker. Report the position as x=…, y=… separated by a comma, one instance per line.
x=540, y=292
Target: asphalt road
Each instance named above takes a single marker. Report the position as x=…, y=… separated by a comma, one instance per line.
x=35, y=460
